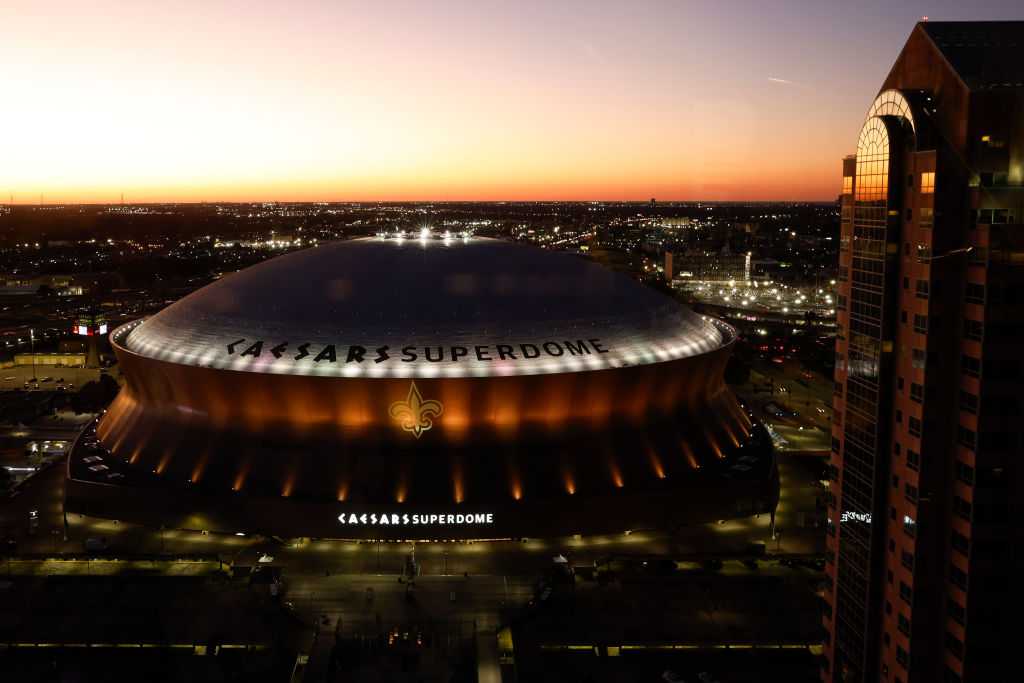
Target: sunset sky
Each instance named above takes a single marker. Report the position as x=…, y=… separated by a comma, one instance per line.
x=336, y=100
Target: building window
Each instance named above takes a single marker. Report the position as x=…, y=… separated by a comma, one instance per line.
x=957, y=577
x=903, y=624
x=902, y=657
x=968, y=402
x=960, y=543
x=922, y=289
x=847, y=184
x=970, y=365
x=910, y=214
x=974, y=293
x=914, y=426
x=916, y=392
x=962, y=508
x=973, y=329
x=899, y=417
x=928, y=182
x=920, y=323
x=926, y=217
x=909, y=526
x=836, y=445
x=954, y=645
x=907, y=559
x=913, y=460
x=966, y=437
x=965, y=473
x=955, y=611
x=918, y=358
x=910, y=492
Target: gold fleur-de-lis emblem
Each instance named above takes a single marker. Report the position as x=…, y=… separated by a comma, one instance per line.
x=415, y=414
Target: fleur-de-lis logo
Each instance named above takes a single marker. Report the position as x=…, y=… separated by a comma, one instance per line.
x=415, y=414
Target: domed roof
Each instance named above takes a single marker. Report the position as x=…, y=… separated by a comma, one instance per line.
x=423, y=307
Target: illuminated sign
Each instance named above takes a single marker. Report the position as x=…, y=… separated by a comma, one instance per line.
x=407, y=519
x=334, y=353
x=851, y=516
x=415, y=414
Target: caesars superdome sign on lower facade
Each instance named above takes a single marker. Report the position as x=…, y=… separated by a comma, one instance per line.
x=396, y=519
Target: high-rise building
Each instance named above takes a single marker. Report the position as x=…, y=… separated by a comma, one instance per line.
x=924, y=547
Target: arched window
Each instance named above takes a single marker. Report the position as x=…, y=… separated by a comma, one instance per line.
x=892, y=103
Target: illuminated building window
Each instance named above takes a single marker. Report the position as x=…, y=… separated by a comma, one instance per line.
x=928, y=182
x=848, y=184
x=926, y=217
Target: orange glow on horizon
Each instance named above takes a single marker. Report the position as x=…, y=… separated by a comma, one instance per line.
x=332, y=102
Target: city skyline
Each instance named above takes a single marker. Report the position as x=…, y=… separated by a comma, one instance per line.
x=461, y=102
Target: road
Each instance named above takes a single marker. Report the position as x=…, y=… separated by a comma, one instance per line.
x=787, y=386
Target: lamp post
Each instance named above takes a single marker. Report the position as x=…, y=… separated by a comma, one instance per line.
x=32, y=350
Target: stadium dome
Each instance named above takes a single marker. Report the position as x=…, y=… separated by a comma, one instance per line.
x=421, y=383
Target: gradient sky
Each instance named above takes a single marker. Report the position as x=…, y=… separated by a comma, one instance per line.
x=336, y=100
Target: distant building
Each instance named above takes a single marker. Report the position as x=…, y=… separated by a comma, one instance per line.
x=55, y=359
x=701, y=265
x=675, y=222
x=924, y=530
